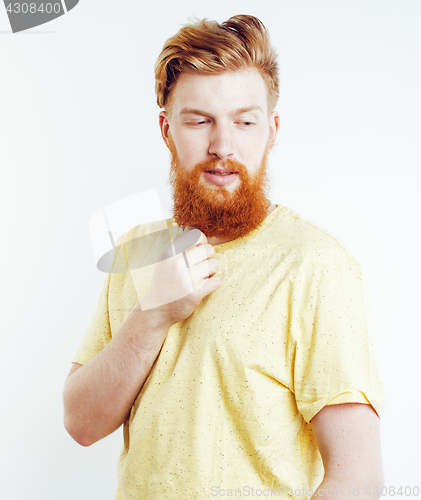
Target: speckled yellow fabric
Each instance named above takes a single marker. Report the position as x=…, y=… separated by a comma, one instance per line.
x=227, y=404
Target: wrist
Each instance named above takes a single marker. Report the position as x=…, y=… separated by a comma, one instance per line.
x=147, y=330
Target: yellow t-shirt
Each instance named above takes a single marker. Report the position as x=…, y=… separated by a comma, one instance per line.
x=226, y=408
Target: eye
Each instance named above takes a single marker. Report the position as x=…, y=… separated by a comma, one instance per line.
x=197, y=123
x=246, y=123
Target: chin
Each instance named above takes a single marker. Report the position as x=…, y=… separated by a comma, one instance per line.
x=220, y=195
x=231, y=188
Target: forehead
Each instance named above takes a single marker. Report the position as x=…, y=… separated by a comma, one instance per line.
x=228, y=91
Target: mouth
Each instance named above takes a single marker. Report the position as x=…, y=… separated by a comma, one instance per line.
x=220, y=177
x=217, y=172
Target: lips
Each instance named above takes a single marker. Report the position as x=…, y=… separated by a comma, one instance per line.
x=221, y=171
x=220, y=177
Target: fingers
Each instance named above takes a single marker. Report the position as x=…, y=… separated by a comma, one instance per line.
x=208, y=286
x=187, y=272
x=204, y=269
x=199, y=254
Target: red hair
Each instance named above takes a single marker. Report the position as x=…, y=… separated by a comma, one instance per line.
x=208, y=47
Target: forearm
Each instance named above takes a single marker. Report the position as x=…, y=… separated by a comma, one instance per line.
x=99, y=395
x=348, y=437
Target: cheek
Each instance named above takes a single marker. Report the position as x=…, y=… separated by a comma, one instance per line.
x=254, y=157
x=190, y=152
x=188, y=156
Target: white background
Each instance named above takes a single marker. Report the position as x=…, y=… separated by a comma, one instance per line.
x=79, y=130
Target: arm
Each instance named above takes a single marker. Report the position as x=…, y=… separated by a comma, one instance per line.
x=98, y=396
x=348, y=437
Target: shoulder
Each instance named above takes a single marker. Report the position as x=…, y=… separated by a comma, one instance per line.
x=310, y=244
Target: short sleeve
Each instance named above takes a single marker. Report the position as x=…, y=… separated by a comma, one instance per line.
x=98, y=334
x=335, y=354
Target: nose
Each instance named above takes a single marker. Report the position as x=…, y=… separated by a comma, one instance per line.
x=221, y=143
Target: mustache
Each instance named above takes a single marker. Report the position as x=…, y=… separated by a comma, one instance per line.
x=228, y=164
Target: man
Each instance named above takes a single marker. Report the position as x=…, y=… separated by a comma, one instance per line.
x=249, y=371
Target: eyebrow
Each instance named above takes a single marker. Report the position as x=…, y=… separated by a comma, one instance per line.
x=193, y=111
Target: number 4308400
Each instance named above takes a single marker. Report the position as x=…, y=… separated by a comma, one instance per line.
x=24, y=8
x=393, y=490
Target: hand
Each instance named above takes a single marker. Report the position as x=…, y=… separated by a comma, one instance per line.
x=182, y=278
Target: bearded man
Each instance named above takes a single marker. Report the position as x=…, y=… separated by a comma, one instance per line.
x=242, y=363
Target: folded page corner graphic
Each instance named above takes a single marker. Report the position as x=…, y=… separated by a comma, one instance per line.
x=70, y=4
x=24, y=15
x=113, y=221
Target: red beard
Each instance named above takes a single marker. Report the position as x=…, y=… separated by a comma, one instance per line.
x=213, y=209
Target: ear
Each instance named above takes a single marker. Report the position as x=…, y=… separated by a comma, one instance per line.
x=273, y=126
x=164, y=125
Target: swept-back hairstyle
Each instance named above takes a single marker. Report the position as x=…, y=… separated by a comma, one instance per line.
x=207, y=47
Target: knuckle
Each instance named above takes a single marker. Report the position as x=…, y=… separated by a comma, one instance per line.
x=213, y=264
